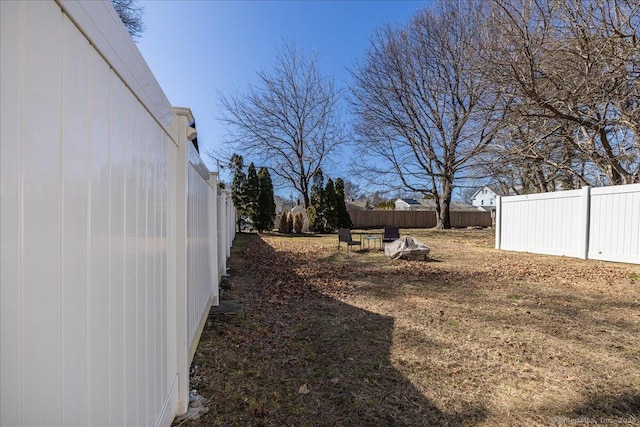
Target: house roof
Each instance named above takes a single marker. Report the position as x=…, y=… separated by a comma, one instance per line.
x=411, y=201
x=357, y=204
x=493, y=188
x=430, y=204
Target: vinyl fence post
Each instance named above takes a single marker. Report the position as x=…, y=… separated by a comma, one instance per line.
x=214, y=236
x=585, y=221
x=498, y=221
x=182, y=340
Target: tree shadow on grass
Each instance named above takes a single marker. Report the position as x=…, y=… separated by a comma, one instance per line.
x=621, y=406
x=603, y=409
x=300, y=358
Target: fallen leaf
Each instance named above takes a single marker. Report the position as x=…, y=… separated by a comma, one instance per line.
x=304, y=389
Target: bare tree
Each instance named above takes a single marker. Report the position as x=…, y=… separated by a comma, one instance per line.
x=352, y=190
x=424, y=110
x=130, y=12
x=571, y=66
x=289, y=120
x=534, y=157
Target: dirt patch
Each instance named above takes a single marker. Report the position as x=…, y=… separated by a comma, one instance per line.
x=473, y=336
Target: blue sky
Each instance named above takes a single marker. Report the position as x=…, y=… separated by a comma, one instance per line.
x=197, y=48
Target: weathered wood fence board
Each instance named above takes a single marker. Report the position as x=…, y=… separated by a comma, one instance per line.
x=416, y=219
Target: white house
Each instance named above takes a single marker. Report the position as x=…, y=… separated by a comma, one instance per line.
x=485, y=198
x=408, y=205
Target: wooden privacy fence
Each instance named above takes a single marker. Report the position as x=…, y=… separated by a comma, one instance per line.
x=590, y=223
x=113, y=232
x=416, y=219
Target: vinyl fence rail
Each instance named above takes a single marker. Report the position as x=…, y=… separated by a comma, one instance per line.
x=113, y=232
x=416, y=219
x=591, y=223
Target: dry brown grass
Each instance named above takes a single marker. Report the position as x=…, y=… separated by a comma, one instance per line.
x=474, y=336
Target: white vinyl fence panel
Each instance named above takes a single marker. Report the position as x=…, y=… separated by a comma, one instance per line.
x=201, y=254
x=108, y=254
x=547, y=223
x=614, y=230
x=596, y=223
x=222, y=220
x=84, y=302
x=230, y=225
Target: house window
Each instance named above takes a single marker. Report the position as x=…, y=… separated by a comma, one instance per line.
x=481, y=202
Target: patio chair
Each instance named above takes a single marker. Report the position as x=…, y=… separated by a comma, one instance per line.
x=344, y=235
x=390, y=234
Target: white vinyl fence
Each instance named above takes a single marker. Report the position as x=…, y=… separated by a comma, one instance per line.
x=614, y=224
x=594, y=223
x=111, y=236
x=202, y=248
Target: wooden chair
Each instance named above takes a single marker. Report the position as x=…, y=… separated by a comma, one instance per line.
x=390, y=234
x=344, y=235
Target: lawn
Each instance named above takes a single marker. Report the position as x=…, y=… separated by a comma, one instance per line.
x=473, y=336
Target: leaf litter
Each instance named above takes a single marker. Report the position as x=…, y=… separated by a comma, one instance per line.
x=474, y=336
